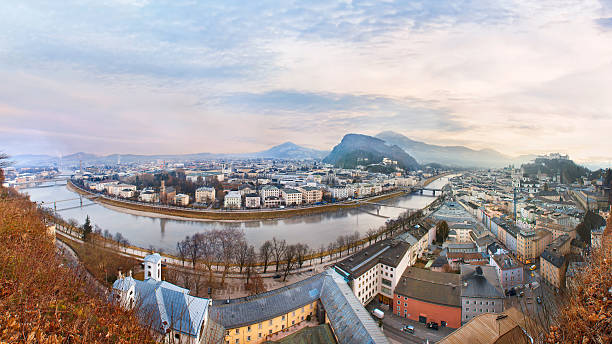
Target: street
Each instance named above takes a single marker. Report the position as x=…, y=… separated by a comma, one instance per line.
x=392, y=325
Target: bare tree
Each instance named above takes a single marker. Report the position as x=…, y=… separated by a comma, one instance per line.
x=321, y=253
x=250, y=260
x=301, y=250
x=241, y=253
x=340, y=242
x=265, y=253
x=226, y=239
x=279, y=248
x=330, y=248
x=181, y=249
x=371, y=234
x=289, y=256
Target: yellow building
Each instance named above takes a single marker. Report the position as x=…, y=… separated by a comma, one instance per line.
x=553, y=266
x=261, y=331
x=531, y=243
x=323, y=298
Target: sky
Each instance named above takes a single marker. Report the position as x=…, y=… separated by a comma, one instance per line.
x=153, y=77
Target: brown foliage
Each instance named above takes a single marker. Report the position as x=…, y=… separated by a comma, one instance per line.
x=42, y=301
x=587, y=316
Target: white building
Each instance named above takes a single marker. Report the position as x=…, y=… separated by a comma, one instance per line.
x=292, y=196
x=148, y=195
x=376, y=270
x=205, y=194
x=233, y=199
x=252, y=200
x=339, y=192
x=181, y=318
x=269, y=191
x=181, y=199
x=115, y=189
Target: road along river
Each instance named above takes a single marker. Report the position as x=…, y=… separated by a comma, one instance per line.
x=148, y=231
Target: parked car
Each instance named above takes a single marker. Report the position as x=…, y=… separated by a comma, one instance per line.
x=408, y=328
x=512, y=292
x=533, y=267
x=432, y=325
x=539, y=300
x=521, y=294
x=277, y=276
x=378, y=313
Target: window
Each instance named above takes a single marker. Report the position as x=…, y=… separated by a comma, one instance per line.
x=259, y=335
x=269, y=331
x=398, y=302
x=283, y=318
x=260, y=326
x=405, y=304
x=237, y=341
x=270, y=322
x=249, y=329
x=292, y=322
x=177, y=336
x=237, y=330
x=248, y=338
x=293, y=313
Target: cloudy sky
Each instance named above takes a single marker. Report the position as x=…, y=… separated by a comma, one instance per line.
x=130, y=76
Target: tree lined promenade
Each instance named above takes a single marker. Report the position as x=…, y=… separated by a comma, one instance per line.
x=213, y=256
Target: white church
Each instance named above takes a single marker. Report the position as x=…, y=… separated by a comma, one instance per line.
x=168, y=309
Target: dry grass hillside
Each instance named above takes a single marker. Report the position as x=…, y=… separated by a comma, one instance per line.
x=587, y=315
x=42, y=300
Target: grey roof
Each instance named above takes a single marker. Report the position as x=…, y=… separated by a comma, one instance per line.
x=389, y=252
x=480, y=281
x=434, y=287
x=439, y=262
x=350, y=321
x=268, y=305
x=124, y=284
x=164, y=305
x=553, y=257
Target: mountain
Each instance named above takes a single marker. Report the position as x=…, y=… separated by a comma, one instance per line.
x=568, y=170
x=450, y=155
x=287, y=150
x=357, y=149
x=290, y=150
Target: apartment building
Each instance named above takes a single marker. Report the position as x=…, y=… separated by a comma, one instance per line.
x=252, y=200
x=425, y=296
x=553, y=266
x=181, y=199
x=509, y=270
x=481, y=291
x=205, y=194
x=340, y=193
x=269, y=191
x=116, y=189
x=292, y=196
x=311, y=194
x=233, y=200
x=375, y=270
x=531, y=243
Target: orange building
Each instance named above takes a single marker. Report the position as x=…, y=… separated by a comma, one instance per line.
x=426, y=296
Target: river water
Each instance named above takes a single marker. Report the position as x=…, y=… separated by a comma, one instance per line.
x=147, y=231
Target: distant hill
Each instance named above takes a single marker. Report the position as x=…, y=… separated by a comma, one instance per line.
x=357, y=149
x=289, y=151
x=567, y=169
x=451, y=155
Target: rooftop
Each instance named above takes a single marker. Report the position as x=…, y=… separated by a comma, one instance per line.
x=480, y=281
x=389, y=252
x=434, y=287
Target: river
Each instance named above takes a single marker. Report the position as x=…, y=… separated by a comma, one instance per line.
x=146, y=231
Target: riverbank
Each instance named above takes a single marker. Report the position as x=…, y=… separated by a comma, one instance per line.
x=220, y=215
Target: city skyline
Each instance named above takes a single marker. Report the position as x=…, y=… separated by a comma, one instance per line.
x=146, y=78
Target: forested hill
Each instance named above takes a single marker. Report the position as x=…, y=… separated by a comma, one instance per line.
x=357, y=149
x=570, y=172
